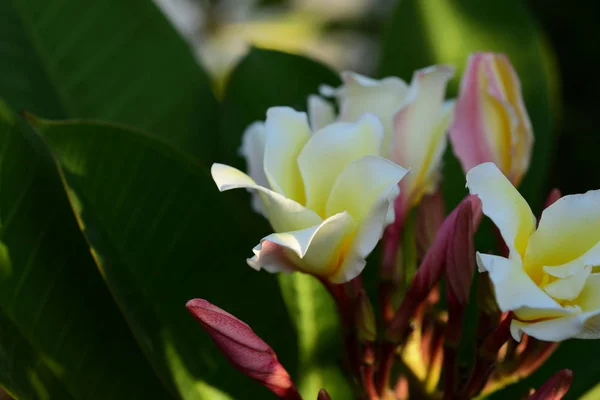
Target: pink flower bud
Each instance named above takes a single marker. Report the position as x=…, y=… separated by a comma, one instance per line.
x=243, y=348
x=555, y=387
x=490, y=120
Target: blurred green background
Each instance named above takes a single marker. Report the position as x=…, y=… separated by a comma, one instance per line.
x=175, y=85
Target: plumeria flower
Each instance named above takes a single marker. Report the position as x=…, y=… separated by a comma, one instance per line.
x=328, y=195
x=415, y=119
x=548, y=280
x=490, y=122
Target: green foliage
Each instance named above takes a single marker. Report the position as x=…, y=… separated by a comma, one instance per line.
x=61, y=334
x=112, y=60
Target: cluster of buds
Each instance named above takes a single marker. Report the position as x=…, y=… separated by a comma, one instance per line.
x=333, y=185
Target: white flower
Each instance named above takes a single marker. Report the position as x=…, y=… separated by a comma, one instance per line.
x=548, y=280
x=327, y=195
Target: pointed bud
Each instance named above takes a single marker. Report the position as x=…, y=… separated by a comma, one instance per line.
x=460, y=255
x=365, y=318
x=323, y=395
x=555, y=388
x=432, y=268
x=490, y=120
x=430, y=216
x=243, y=348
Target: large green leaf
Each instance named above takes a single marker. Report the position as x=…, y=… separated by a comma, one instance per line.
x=61, y=334
x=163, y=234
x=264, y=79
x=111, y=59
x=422, y=33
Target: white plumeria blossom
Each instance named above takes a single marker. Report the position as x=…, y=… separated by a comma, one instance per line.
x=548, y=281
x=328, y=195
x=415, y=119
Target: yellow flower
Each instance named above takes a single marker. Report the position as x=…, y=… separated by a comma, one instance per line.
x=414, y=118
x=548, y=280
x=490, y=121
x=327, y=195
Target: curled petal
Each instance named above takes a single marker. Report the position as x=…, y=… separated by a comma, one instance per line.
x=568, y=232
x=361, y=184
x=504, y=205
x=253, y=150
x=243, y=348
x=320, y=112
x=330, y=150
x=283, y=213
x=287, y=132
x=419, y=137
x=515, y=291
x=570, y=287
x=317, y=250
x=361, y=95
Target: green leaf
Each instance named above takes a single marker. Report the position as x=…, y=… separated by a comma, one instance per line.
x=61, y=334
x=114, y=60
x=315, y=317
x=163, y=234
x=422, y=33
x=264, y=79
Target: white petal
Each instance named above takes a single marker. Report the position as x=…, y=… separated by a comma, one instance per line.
x=591, y=258
x=568, y=232
x=320, y=112
x=515, y=291
x=284, y=214
x=415, y=138
x=330, y=150
x=361, y=95
x=367, y=236
x=584, y=324
x=318, y=250
x=253, y=150
x=568, y=288
x=287, y=132
x=361, y=184
x=551, y=330
x=504, y=205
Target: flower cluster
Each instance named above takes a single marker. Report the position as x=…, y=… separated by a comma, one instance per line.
x=332, y=184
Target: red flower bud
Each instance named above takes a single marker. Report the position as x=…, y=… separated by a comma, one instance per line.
x=243, y=348
x=447, y=251
x=555, y=387
x=430, y=216
x=323, y=395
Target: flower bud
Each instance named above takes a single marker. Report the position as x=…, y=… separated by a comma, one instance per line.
x=323, y=395
x=555, y=387
x=456, y=228
x=243, y=348
x=490, y=121
x=430, y=216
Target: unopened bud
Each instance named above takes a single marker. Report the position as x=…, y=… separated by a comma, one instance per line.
x=323, y=395
x=555, y=388
x=243, y=348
